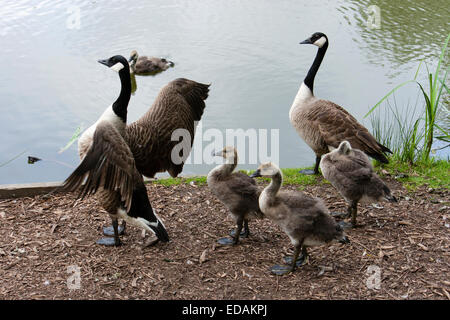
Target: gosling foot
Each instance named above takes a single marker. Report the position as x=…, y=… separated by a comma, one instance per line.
x=243, y=234
x=346, y=225
x=301, y=260
x=109, y=242
x=281, y=270
x=226, y=241
x=340, y=215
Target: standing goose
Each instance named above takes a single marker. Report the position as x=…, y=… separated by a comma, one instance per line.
x=147, y=65
x=351, y=173
x=323, y=124
x=174, y=115
x=304, y=219
x=108, y=167
x=237, y=191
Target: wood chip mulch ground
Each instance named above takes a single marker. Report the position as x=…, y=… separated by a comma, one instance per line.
x=45, y=240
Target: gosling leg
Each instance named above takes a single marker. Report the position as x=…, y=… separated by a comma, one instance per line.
x=238, y=231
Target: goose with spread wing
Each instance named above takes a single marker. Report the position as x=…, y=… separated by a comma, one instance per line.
x=108, y=167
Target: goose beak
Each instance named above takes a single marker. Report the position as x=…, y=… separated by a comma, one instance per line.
x=307, y=41
x=256, y=174
x=104, y=62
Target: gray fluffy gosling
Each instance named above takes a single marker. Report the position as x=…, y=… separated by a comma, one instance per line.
x=147, y=65
x=351, y=173
x=237, y=191
x=303, y=218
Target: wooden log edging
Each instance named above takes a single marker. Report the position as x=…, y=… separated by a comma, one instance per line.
x=8, y=191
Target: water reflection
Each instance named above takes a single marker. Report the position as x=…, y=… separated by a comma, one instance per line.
x=410, y=31
x=249, y=51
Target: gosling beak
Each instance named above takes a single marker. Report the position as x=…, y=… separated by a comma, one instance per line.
x=216, y=154
x=256, y=174
x=344, y=240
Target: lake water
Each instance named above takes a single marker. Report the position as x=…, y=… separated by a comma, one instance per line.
x=51, y=82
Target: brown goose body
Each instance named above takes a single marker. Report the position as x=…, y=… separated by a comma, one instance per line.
x=108, y=167
x=303, y=218
x=350, y=171
x=236, y=190
x=322, y=124
x=178, y=106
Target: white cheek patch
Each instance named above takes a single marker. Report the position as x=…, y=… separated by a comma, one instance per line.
x=320, y=42
x=117, y=67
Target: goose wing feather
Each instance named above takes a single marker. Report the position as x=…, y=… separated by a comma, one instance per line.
x=351, y=169
x=178, y=105
x=242, y=184
x=335, y=125
x=108, y=164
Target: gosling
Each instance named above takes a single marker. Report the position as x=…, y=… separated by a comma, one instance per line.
x=351, y=173
x=143, y=65
x=303, y=218
x=237, y=191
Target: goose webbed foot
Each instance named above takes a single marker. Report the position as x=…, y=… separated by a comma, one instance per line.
x=109, y=231
x=301, y=260
x=340, y=215
x=346, y=225
x=281, y=270
x=291, y=262
x=308, y=172
x=109, y=242
x=312, y=172
x=244, y=234
x=226, y=241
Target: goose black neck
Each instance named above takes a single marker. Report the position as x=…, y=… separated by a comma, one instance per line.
x=120, y=106
x=309, y=80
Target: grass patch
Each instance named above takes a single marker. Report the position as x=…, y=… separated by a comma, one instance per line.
x=290, y=177
x=434, y=174
x=198, y=180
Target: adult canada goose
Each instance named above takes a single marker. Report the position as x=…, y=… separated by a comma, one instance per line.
x=351, y=173
x=237, y=191
x=303, y=218
x=174, y=115
x=147, y=65
x=323, y=124
x=108, y=167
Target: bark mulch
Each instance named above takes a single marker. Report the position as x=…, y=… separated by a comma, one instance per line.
x=44, y=239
